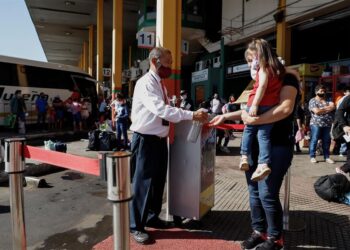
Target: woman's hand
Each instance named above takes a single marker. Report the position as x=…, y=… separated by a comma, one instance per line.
x=217, y=120
x=247, y=119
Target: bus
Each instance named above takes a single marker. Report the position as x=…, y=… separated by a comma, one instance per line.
x=34, y=77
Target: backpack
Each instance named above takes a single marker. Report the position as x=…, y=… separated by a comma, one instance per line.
x=60, y=147
x=94, y=141
x=332, y=187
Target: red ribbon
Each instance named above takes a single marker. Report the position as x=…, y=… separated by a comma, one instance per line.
x=73, y=162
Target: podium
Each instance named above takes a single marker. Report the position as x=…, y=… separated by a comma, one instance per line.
x=191, y=172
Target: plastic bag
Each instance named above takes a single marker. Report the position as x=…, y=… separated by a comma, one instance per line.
x=10, y=120
x=49, y=145
x=299, y=136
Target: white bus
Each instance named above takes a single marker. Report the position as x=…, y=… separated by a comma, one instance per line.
x=33, y=77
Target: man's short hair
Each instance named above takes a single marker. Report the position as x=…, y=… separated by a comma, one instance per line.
x=320, y=86
x=158, y=52
x=18, y=92
x=347, y=88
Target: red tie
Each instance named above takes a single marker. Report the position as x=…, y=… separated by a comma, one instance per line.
x=171, y=125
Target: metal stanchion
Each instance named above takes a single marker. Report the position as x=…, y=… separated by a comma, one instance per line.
x=102, y=156
x=297, y=224
x=14, y=166
x=119, y=193
x=286, y=201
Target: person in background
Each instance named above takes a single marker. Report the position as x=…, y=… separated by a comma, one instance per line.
x=51, y=117
x=225, y=134
x=216, y=104
x=41, y=108
x=151, y=116
x=58, y=106
x=299, y=125
x=68, y=112
x=85, y=112
x=18, y=108
x=322, y=112
x=76, y=112
x=339, y=94
x=121, y=117
x=186, y=102
x=102, y=109
x=342, y=125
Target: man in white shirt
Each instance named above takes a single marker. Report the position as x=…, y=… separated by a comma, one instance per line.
x=150, y=116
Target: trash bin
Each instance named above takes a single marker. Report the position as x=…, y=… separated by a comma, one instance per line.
x=191, y=172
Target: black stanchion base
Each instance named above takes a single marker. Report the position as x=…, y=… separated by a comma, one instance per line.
x=295, y=225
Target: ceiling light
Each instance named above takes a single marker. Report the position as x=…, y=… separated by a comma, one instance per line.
x=68, y=33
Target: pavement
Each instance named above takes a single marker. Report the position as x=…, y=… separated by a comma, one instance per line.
x=314, y=223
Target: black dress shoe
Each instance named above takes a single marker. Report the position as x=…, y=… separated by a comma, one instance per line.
x=159, y=224
x=140, y=237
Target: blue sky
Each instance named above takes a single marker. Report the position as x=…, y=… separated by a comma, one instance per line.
x=18, y=37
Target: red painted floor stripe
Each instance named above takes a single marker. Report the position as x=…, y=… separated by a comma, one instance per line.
x=175, y=239
x=73, y=162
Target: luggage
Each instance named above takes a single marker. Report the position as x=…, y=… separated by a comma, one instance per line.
x=60, y=147
x=332, y=187
x=94, y=141
x=108, y=141
x=49, y=145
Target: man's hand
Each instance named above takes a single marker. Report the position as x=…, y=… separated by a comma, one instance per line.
x=200, y=116
x=346, y=129
x=217, y=120
x=253, y=111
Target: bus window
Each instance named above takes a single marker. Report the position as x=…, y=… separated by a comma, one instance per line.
x=8, y=74
x=49, y=78
x=87, y=88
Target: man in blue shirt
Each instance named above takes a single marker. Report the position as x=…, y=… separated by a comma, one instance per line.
x=41, y=107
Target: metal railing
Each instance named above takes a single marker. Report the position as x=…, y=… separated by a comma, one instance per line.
x=113, y=167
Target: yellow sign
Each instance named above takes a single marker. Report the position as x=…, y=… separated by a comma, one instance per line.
x=308, y=69
x=206, y=200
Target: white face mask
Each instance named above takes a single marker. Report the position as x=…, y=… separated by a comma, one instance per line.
x=253, y=73
x=254, y=68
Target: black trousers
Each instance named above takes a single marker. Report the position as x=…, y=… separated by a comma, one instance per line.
x=148, y=170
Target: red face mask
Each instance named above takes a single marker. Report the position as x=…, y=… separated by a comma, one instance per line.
x=164, y=72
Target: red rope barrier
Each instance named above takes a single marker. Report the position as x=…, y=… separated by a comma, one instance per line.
x=224, y=126
x=239, y=127
x=73, y=162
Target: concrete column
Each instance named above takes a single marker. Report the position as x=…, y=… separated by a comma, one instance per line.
x=85, y=56
x=283, y=37
x=168, y=35
x=91, y=49
x=99, y=57
x=117, y=47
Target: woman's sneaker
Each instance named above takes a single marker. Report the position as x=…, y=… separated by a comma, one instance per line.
x=254, y=240
x=261, y=172
x=271, y=244
x=313, y=160
x=244, y=165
